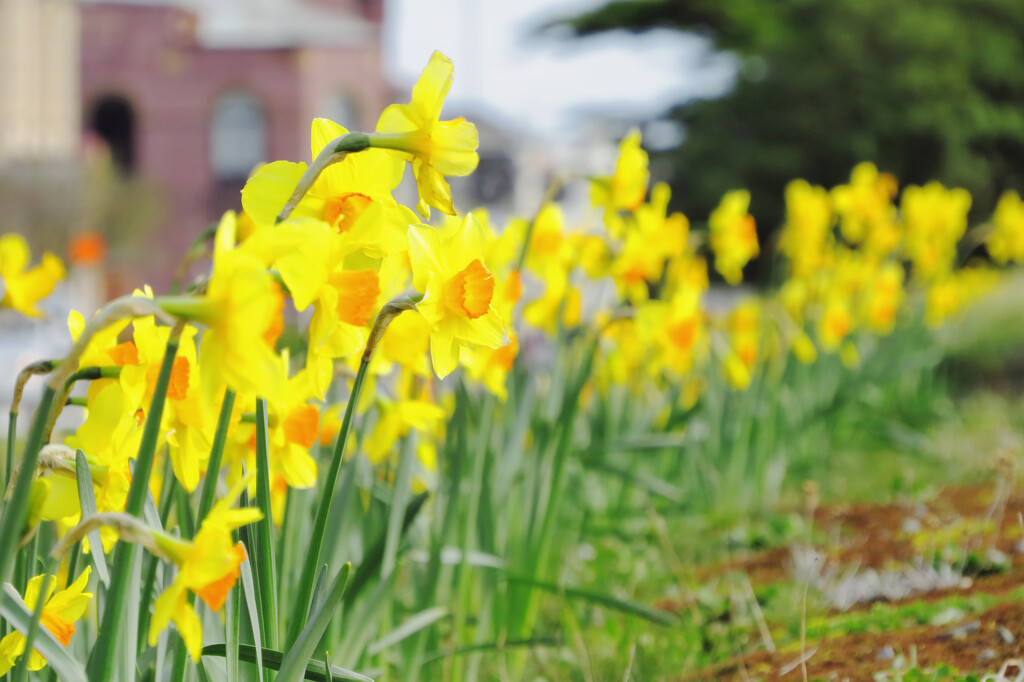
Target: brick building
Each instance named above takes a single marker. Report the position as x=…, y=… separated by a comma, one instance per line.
x=192, y=94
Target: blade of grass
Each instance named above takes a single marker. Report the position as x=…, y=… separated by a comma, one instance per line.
x=216, y=455
x=372, y=560
x=88, y=504
x=411, y=626
x=320, y=590
x=127, y=658
x=232, y=609
x=295, y=662
x=495, y=646
x=14, y=611
x=266, y=567
x=400, y=498
x=249, y=590
x=315, y=670
x=15, y=510
x=600, y=598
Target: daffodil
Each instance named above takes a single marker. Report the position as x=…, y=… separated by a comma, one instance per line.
x=627, y=187
x=207, y=566
x=60, y=611
x=457, y=290
x=109, y=437
x=1006, y=241
x=864, y=206
x=352, y=197
x=24, y=287
x=733, y=235
x=806, y=237
x=491, y=366
x=396, y=420
x=435, y=148
x=935, y=219
x=242, y=310
x=836, y=322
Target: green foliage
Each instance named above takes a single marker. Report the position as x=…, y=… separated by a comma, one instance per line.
x=926, y=90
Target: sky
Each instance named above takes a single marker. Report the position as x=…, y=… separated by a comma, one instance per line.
x=547, y=84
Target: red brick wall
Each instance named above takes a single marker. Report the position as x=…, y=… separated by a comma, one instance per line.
x=149, y=56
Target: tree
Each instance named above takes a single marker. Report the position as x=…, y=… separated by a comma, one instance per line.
x=927, y=89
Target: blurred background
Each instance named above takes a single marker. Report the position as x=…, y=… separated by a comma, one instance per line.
x=126, y=127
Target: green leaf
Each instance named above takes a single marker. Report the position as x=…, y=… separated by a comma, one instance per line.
x=411, y=626
x=315, y=670
x=319, y=590
x=88, y=504
x=249, y=590
x=232, y=612
x=606, y=600
x=266, y=567
x=295, y=662
x=323, y=509
x=216, y=454
x=400, y=498
x=126, y=660
x=15, y=506
x=495, y=646
x=13, y=609
x=371, y=561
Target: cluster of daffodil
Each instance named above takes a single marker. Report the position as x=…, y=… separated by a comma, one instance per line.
x=397, y=304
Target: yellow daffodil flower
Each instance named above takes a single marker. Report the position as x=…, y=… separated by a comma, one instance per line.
x=396, y=420
x=60, y=611
x=457, y=290
x=490, y=367
x=1006, y=241
x=935, y=219
x=865, y=204
x=806, y=237
x=435, y=148
x=627, y=187
x=23, y=287
x=207, y=566
x=242, y=310
x=733, y=235
x=352, y=197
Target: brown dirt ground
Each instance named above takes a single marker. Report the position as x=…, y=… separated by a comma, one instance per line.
x=872, y=535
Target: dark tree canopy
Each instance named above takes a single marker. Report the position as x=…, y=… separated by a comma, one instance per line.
x=927, y=89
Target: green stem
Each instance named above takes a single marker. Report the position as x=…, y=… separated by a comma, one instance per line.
x=265, y=565
x=154, y=562
x=12, y=437
x=101, y=662
x=323, y=511
x=16, y=509
x=220, y=437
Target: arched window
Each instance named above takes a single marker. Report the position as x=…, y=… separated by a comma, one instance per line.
x=238, y=136
x=113, y=120
x=341, y=108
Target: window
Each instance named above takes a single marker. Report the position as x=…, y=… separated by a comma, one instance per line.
x=113, y=120
x=238, y=136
